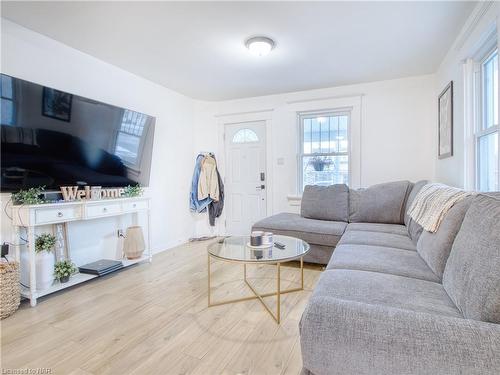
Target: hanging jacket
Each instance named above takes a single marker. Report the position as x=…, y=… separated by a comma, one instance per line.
x=215, y=208
x=208, y=185
x=195, y=204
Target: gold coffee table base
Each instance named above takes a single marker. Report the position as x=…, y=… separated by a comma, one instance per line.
x=257, y=295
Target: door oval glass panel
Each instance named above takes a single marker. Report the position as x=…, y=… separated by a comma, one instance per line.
x=245, y=136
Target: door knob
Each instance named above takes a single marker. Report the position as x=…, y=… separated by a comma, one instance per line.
x=261, y=187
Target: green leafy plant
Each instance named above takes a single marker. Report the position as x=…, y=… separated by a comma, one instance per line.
x=45, y=242
x=29, y=196
x=133, y=191
x=64, y=269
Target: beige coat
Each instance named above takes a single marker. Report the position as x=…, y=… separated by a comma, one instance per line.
x=208, y=185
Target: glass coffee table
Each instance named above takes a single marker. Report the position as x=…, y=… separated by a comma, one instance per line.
x=236, y=250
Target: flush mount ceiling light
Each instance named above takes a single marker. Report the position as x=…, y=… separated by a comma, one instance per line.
x=260, y=45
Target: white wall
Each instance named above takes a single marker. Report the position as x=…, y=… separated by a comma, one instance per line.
x=397, y=132
x=33, y=57
x=397, y=138
x=473, y=34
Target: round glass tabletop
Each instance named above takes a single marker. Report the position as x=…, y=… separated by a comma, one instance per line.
x=237, y=249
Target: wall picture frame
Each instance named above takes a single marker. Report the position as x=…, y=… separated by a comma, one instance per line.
x=445, y=122
x=56, y=104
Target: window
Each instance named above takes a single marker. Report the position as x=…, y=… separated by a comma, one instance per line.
x=324, y=154
x=8, y=109
x=129, y=138
x=245, y=136
x=486, y=134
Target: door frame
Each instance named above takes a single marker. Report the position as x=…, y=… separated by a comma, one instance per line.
x=264, y=116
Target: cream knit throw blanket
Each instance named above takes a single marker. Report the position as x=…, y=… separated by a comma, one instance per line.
x=432, y=203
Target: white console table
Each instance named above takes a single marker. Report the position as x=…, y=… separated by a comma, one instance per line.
x=31, y=216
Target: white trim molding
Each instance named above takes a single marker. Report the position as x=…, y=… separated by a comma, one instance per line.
x=469, y=71
x=294, y=200
x=354, y=104
x=239, y=118
x=476, y=16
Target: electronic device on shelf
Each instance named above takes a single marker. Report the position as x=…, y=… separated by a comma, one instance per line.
x=101, y=267
x=70, y=140
x=279, y=245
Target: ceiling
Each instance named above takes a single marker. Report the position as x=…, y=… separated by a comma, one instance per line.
x=196, y=48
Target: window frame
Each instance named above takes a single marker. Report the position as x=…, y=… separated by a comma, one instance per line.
x=12, y=100
x=142, y=139
x=479, y=131
x=301, y=116
x=257, y=140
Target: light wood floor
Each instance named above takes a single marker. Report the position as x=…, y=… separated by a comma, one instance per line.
x=153, y=319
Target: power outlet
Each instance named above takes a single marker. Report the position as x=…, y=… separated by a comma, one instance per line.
x=120, y=233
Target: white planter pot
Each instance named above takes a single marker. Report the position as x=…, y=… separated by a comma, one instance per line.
x=45, y=262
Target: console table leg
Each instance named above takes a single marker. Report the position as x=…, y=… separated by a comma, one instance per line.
x=302, y=273
x=150, y=250
x=278, y=293
x=32, y=258
x=16, y=244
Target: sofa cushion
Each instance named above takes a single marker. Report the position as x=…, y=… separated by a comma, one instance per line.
x=472, y=273
x=435, y=247
x=341, y=337
x=414, y=229
x=381, y=259
x=382, y=203
x=377, y=227
x=325, y=202
x=320, y=232
x=411, y=197
x=318, y=254
x=377, y=239
x=385, y=290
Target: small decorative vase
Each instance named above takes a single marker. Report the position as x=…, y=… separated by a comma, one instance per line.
x=134, y=246
x=64, y=279
x=44, y=263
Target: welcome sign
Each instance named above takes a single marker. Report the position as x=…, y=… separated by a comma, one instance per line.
x=74, y=193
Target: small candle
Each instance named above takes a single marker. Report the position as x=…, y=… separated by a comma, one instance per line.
x=256, y=238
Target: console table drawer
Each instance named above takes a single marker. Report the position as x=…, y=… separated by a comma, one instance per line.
x=54, y=215
x=135, y=206
x=98, y=210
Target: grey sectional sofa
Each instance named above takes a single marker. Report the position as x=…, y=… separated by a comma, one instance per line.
x=395, y=299
x=329, y=211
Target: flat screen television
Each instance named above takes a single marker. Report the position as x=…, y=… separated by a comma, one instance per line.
x=53, y=138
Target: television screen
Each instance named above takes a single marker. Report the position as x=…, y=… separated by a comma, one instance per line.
x=53, y=138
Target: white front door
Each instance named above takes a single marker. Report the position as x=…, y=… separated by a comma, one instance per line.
x=245, y=189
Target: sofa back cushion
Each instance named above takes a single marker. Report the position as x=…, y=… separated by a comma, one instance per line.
x=472, y=274
x=325, y=202
x=414, y=229
x=417, y=186
x=382, y=203
x=435, y=247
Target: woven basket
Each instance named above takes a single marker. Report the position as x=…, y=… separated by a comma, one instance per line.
x=10, y=293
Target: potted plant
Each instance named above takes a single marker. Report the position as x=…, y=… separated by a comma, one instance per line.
x=63, y=270
x=29, y=196
x=44, y=261
x=133, y=191
x=319, y=163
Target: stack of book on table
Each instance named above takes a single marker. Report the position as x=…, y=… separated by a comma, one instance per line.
x=101, y=267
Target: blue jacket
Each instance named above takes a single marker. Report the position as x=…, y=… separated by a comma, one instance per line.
x=194, y=204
